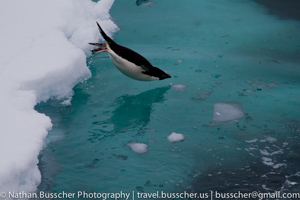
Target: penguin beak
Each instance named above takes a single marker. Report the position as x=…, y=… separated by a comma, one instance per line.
x=164, y=76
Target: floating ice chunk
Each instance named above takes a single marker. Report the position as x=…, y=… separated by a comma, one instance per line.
x=251, y=141
x=267, y=161
x=279, y=165
x=67, y=102
x=178, y=88
x=269, y=139
x=203, y=95
x=139, y=148
x=152, y=141
x=277, y=152
x=144, y=3
x=227, y=112
x=285, y=144
x=249, y=90
x=297, y=174
x=175, y=137
x=264, y=152
x=290, y=183
x=260, y=85
x=270, y=85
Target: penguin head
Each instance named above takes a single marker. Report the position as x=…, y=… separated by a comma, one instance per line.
x=159, y=73
x=164, y=76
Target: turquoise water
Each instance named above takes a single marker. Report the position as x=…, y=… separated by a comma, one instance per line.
x=222, y=51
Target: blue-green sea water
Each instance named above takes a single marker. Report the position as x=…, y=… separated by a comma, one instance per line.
x=222, y=51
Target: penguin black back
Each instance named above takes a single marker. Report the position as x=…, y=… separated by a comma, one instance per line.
x=128, y=61
x=124, y=52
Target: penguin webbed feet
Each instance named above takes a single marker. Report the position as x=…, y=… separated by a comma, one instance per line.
x=98, y=50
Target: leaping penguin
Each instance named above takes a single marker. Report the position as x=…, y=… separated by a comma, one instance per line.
x=128, y=61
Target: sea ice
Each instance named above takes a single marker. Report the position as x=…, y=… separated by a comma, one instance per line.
x=203, y=95
x=178, y=87
x=43, y=52
x=251, y=141
x=175, y=137
x=276, y=166
x=259, y=84
x=67, y=102
x=267, y=161
x=227, y=112
x=139, y=148
x=144, y=3
x=269, y=139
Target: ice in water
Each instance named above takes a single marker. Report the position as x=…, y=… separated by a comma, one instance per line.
x=227, y=112
x=178, y=87
x=52, y=46
x=175, y=137
x=139, y=148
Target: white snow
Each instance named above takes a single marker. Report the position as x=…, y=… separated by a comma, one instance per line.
x=175, y=137
x=43, y=52
x=139, y=148
x=227, y=112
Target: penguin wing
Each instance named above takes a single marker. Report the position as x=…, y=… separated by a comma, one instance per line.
x=144, y=67
x=132, y=56
x=150, y=71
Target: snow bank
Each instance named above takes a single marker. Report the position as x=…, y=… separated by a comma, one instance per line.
x=43, y=54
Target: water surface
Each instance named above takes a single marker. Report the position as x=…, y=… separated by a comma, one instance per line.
x=229, y=51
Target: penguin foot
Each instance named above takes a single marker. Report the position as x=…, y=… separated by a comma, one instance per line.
x=99, y=50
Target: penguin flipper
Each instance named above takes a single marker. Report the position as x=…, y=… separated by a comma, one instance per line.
x=147, y=73
x=147, y=69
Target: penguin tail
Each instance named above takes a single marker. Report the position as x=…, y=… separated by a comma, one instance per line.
x=108, y=39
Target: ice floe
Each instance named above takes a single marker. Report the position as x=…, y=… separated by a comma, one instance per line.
x=139, y=148
x=227, y=112
x=43, y=52
x=175, y=137
x=178, y=87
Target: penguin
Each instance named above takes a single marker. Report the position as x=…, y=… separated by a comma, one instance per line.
x=129, y=62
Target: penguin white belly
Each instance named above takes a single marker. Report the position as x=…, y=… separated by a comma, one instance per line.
x=128, y=68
